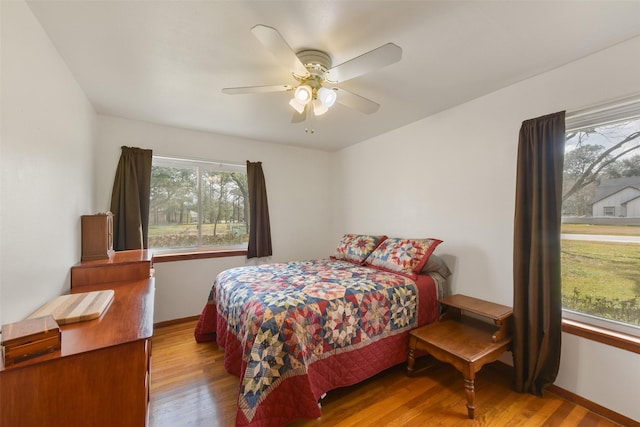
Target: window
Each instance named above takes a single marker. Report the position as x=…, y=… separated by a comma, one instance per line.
x=601, y=251
x=197, y=204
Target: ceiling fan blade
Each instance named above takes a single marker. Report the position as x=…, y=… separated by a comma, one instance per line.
x=374, y=59
x=277, y=45
x=299, y=117
x=256, y=89
x=356, y=102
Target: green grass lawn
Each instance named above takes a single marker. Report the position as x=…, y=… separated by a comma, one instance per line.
x=590, y=265
x=602, y=278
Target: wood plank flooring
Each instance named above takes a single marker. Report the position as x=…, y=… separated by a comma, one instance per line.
x=190, y=387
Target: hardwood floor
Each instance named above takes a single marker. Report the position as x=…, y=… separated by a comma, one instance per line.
x=190, y=387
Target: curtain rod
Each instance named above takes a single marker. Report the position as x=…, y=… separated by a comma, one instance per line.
x=211, y=162
x=604, y=113
x=595, y=108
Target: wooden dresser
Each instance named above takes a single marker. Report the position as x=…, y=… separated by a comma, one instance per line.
x=122, y=266
x=100, y=377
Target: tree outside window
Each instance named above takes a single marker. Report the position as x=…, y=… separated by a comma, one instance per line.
x=196, y=204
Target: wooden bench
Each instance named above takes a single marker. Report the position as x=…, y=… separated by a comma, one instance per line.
x=464, y=341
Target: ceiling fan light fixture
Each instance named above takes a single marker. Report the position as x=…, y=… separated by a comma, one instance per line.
x=327, y=97
x=303, y=94
x=319, y=108
x=313, y=68
x=296, y=105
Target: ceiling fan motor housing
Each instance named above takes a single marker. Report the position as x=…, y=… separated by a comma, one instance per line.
x=315, y=61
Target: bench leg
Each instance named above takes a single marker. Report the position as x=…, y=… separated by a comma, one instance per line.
x=469, y=388
x=411, y=360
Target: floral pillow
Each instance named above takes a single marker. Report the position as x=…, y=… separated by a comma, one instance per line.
x=407, y=256
x=357, y=247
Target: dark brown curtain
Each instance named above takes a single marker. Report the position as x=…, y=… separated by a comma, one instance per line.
x=537, y=296
x=259, y=227
x=130, y=199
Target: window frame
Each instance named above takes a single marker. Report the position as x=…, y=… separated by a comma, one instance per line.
x=601, y=323
x=601, y=335
x=199, y=251
x=606, y=331
x=163, y=256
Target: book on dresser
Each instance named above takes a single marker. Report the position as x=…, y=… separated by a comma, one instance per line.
x=29, y=338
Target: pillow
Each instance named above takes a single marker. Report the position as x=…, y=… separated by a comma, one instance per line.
x=407, y=256
x=357, y=247
x=435, y=264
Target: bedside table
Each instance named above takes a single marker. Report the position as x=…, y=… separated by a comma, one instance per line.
x=466, y=342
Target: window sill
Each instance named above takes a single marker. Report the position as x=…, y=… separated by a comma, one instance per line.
x=187, y=256
x=601, y=335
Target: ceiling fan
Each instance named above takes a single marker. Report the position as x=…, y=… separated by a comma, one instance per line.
x=316, y=78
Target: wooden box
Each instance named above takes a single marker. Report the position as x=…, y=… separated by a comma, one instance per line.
x=29, y=338
x=97, y=236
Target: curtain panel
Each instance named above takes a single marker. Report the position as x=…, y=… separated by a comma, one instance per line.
x=259, y=226
x=130, y=199
x=537, y=304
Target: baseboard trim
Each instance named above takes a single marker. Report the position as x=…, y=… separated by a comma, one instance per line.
x=592, y=406
x=175, y=321
x=579, y=400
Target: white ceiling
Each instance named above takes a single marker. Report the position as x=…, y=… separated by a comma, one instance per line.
x=167, y=61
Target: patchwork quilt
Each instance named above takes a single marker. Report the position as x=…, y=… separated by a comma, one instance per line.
x=293, y=331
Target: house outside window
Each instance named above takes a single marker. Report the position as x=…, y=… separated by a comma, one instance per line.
x=197, y=205
x=600, y=220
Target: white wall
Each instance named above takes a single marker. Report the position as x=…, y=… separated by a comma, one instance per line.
x=46, y=157
x=298, y=190
x=452, y=176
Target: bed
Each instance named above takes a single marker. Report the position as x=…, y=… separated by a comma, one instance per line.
x=293, y=331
